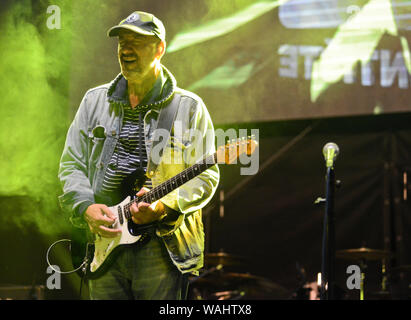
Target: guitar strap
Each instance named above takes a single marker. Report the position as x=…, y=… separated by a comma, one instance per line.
x=165, y=122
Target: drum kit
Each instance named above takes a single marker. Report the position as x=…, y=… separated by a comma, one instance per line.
x=395, y=281
x=218, y=282
x=389, y=276
x=361, y=256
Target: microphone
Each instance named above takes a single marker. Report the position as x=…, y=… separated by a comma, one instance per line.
x=330, y=152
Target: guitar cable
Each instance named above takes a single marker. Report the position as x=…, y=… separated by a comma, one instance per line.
x=58, y=271
x=82, y=266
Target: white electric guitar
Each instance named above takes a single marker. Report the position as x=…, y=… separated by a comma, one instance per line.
x=93, y=254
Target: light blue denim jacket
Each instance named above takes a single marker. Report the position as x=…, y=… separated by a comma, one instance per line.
x=90, y=143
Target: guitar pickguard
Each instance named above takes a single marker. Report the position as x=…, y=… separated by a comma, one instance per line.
x=104, y=246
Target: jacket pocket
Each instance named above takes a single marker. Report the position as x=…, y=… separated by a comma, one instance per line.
x=187, y=242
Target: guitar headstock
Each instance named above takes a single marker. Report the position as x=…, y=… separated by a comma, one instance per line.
x=229, y=153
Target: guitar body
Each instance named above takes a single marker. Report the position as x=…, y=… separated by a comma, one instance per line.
x=98, y=253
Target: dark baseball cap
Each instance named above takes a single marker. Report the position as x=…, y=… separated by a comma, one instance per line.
x=140, y=22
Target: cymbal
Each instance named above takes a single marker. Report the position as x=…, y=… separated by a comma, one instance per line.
x=380, y=295
x=250, y=286
x=361, y=254
x=221, y=279
x=214, y=259
x=403, y=268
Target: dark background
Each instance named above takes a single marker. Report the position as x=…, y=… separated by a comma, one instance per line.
x=272, y=220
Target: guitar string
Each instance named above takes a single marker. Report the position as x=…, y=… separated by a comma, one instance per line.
x=157, y=192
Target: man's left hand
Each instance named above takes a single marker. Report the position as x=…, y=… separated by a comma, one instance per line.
x=143, y=212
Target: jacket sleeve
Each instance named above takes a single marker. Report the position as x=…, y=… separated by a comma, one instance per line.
x=196, y=193
x=197, y=141
x=73, y=171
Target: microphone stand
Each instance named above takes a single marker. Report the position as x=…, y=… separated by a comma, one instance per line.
x=328, y=250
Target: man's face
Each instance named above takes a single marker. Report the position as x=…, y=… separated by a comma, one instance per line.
x=137, y=54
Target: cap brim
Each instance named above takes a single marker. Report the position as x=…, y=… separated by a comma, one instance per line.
x=113, y=32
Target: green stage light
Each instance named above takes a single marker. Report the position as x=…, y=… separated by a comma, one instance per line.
x=354, y=41
x=35, y=63
x=219, y=27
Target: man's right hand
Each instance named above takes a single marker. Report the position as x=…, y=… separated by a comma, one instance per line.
x=99, y=218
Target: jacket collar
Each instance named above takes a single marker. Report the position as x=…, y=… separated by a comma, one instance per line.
x=156, y=98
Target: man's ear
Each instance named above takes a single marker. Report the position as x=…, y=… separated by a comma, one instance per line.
x=161, y=49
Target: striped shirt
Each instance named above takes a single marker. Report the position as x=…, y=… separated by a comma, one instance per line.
x=130, y=152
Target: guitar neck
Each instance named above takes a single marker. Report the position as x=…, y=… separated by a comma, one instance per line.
x=178, y=180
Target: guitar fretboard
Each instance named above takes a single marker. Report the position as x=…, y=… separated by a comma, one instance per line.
x=173, y=183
